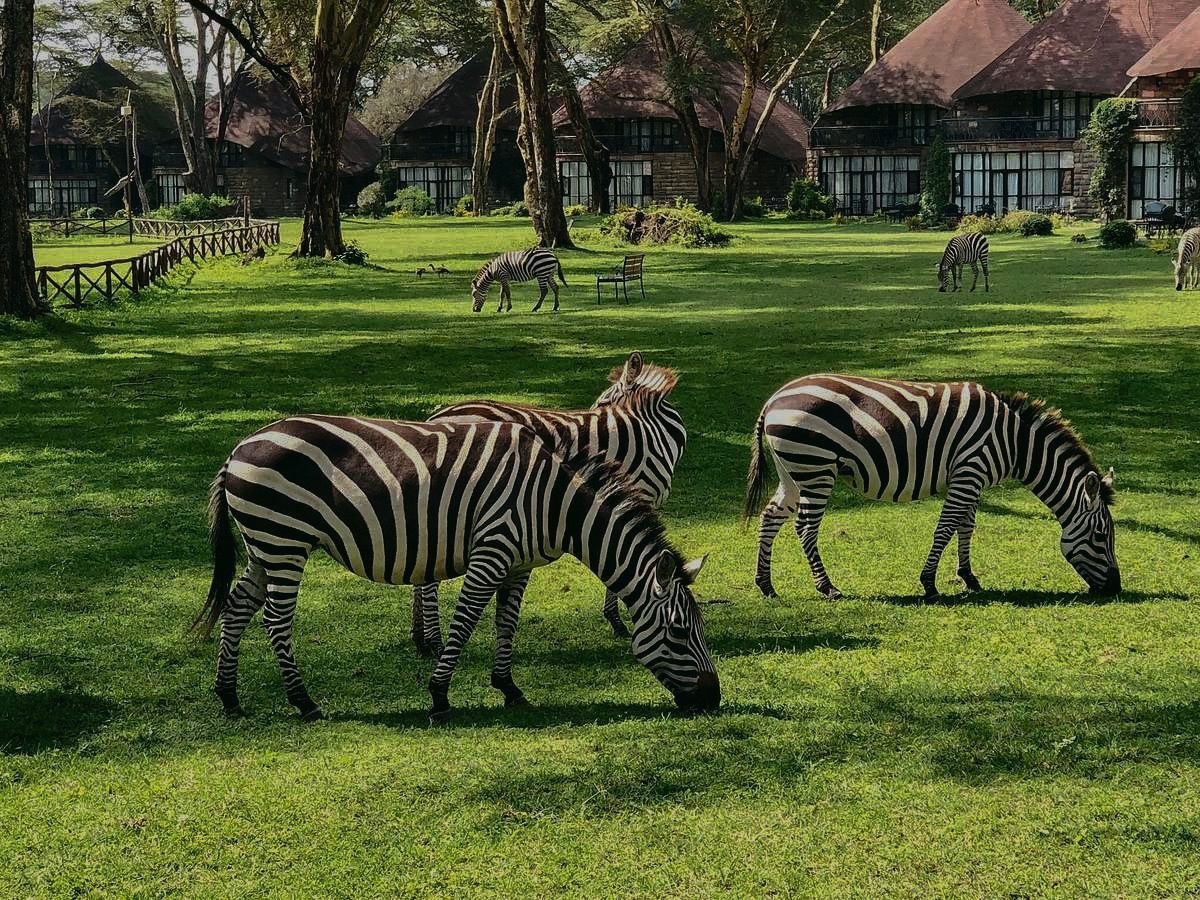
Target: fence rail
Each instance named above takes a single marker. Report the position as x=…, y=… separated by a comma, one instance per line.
x=67, y=226
x=174, y=228
x=77, y=282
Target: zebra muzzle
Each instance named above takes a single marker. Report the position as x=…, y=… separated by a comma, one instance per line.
x=705, y=697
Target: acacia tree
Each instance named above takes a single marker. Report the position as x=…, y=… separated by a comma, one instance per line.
x=18, y=290
x=319, y=70
x=487, y=120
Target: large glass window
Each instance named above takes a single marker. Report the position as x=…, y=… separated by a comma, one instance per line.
x=646, y=135
x=632, y=183
x=170, y=188
x=1035, y=180
x=69, y=196
x=576, y=184
x=1153, y=176
x=446, y=185
x=863, y=184
x=1064, y=113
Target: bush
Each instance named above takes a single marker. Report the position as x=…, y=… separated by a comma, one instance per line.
x=465, y=205
x=839, y=219
x=195, y=207
x=938, y=183
x=574, y=212
x=754, y=207
x=1014, y=220
x=371, y=200
x=981, y=224
x=805, y=198
x=411, y=201
x=1079, y=238
x=90, y=212
x=516, y=208
x=1117, y=234
x=353, y=254
x=682, y=225
x=1037, y=225
x=914, y=223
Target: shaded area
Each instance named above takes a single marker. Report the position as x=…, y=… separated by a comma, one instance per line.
x=34, y=721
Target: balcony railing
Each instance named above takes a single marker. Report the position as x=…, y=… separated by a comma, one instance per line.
x=38, y=166
x=623, y=144
x=1010, y=128
x=1158, y=113
x=408, y=152
x=890, y=136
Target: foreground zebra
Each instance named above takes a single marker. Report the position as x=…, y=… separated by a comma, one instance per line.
x=969, y=249
x=412, y=503
x=632, y=424
x=519, y=265
x=1187, y=261
x=897, y=441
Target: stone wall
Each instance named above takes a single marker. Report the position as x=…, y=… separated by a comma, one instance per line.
x=273, y=190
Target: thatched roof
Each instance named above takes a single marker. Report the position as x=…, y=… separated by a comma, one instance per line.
x=938, y=56
x=1179, y=50
x=634, y=87
x=264, y=119
x=1084, y=45
x=455, y=102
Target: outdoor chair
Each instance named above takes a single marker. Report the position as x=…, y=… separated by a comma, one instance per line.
x=1153, y=219
x=629, y=270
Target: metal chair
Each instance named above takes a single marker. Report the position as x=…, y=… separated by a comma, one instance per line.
x=630, y=270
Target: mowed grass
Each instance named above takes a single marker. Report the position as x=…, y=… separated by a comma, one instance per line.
x=1022, y=741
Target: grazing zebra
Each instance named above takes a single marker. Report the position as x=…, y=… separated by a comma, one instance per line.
x=632, y=425
x=898, y=441
x=412, y=503
x=1187, y=262
x=970, y=248
x=519, y=265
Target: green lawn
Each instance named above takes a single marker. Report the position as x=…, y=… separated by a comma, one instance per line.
x=1019, y=742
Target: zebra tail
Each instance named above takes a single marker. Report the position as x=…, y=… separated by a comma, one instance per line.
x=756, y=479
x=224, y=552
x=560, y=271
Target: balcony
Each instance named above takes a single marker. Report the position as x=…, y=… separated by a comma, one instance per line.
x=1158, y=113
x=624, y=144
x=38, y=166
x=887, y=136
x=1010, y=128
x=423, y=151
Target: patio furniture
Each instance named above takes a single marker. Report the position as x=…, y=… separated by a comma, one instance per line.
x=630, y=270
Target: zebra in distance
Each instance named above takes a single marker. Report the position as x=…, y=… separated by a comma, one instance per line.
x=968, y=249
x=519, y=265
x=632, y=424
x=413, y=503
x=1187, y=260
x=900, y=441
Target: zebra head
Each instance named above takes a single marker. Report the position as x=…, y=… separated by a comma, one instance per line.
x=1087, y=539
x=634, y=380
x=479, y=288
x=668, y=633
x=943, y=276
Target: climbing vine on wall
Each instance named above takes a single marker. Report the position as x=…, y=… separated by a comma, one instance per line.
x=1108, y=136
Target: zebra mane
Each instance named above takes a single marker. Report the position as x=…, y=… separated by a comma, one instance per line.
x=479, y=275
x=1031, y=411
x=611, y=485
x=653, y=379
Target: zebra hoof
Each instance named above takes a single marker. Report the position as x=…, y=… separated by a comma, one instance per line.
x=931, y=591
x=428, y=651
x=767, y=588
x=970, y=581
x=517, y=699
x=832, y=593
x=439, y=716
x=619, y=629
x=312, y=715
x=235, y=712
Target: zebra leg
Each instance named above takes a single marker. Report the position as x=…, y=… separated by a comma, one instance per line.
x=961, y=498
x=508, y=612
x=427, y=626
x=986, y=288
x=808, y=526
x=966, y=528
x=612, y=612
x=481, y=582
x=974, y=276
x=776, y=512
x=956, y=269
x=507, y=291
x=277, y=619
x=245, y=600
x=541, y=296
x=554, y=287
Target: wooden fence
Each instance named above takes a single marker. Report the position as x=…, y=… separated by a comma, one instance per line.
x=67, y=226
x=78, y=281
x=172, y=228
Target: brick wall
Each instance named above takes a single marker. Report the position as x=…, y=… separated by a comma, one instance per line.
x=267, y=185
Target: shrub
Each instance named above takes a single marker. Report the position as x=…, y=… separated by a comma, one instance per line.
x=465, y=205
x=805, y=198
x=1037, y=225
x=754, y=207
x=839, y=219
x=938, y=174
x=1079, y=238
x=412, y=201
x=371, y=200
x=981, y=224
x=914, y=223
x=1014, y=220
x=574, y=212
x=353, y=254
x=194, y=207
x=682, y=225
x=1117, y=234
x=520, y=208
x=1108, y=136
x=90, y=212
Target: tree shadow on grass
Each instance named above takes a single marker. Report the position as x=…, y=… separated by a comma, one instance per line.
x=1030, y=599
x=48, y=719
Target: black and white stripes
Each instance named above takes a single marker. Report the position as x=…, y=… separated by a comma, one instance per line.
x=1187, y=260
x=970, y=249
x=519, y=265
x=412, y=503
x=897, y=441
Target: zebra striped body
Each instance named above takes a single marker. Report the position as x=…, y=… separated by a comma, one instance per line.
x=519, y=265
x=415, y=503
x=1187, y=260
x=632, y=425
x=968, y=249
x=898, y=441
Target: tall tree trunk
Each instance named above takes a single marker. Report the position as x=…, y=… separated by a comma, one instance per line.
x=683, y=104
x=137, y=160
x=322, y=235
x=485, y=132
x=827, y=88
x=530, y=58
x=876, y=25
x=18, y=287
x=595, y=154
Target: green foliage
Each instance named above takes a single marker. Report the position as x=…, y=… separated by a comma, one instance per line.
x=411, y=201
x=682, y=225
x=753, y=207
x=465, y=205
x=389, y=179
x=1036, y=224
x=1079, y=238
x=371, y=200
x=938, y=183
x=197, y=207
x=353, y=254
x=1185, y=144
x=575, y=211
x=981, y=224
x=518, y=209
x=91, y=212
x=805, y=198
x=1108, y=136
x=1118, y=234
x=913, y=223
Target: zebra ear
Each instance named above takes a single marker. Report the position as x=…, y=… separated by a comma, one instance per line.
x=692, y=569
x=1091, y=488
x=633, y=368
x=1109, y=478
x=665, y=569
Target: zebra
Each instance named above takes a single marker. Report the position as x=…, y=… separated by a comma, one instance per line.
x=412, y=503
x=899, y=441
x=970, y=248
x=1187, y=261
x=631, y=424
x=519, y=265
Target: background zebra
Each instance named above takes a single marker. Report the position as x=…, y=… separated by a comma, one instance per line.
x=519, y=265
x=411, y=503
x=970, y=248
x=1187, y=260
x=897, y=441
x=632, y=424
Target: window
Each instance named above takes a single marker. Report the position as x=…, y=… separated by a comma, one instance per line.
x=645, y=135
x=1153, y=176
x=231, y=155
x=576, y=184
x=1027, y=180
x=445, y=185
x=863, y=184
x=464, y=141
x=1064, y=113
x=68, y=196
x=915, y=123
x=170, y=189
x=632, y=183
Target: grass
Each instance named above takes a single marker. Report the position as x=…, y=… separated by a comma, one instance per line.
x=1020, y=742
